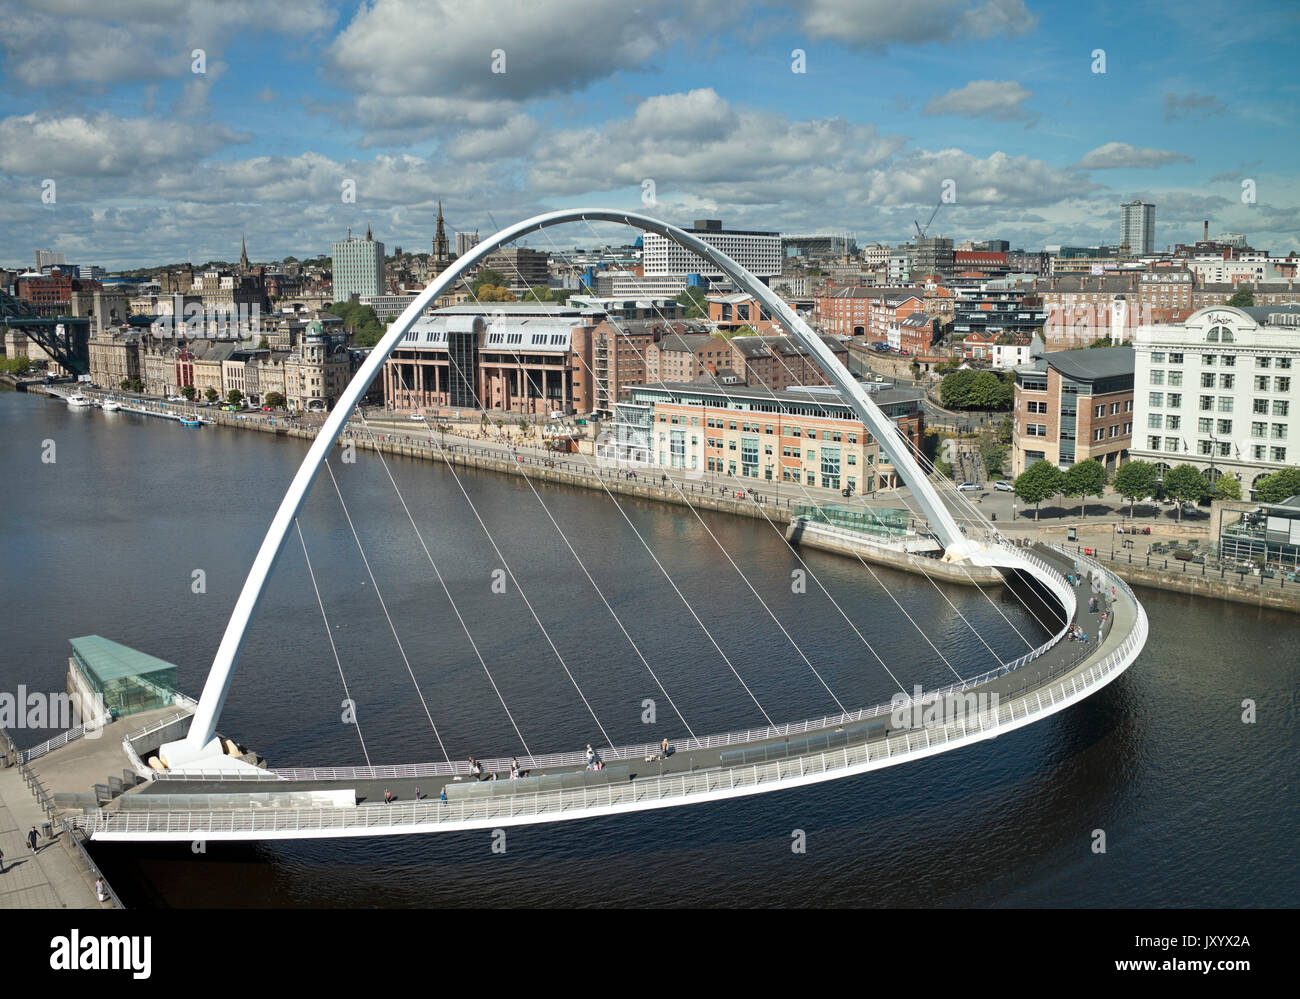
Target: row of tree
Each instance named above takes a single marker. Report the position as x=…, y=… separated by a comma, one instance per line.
x=1139, y=480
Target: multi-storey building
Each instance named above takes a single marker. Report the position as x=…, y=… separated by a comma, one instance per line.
x=808, y=436
x=1074, y=405
x=1219, y=391
x=534, y=359
x=522, y=267
x=759, y=253
x=1080, y=309
x=1137, y=227
x=999, y=306
x=358, y=267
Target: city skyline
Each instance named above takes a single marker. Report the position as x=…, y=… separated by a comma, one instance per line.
x=167, y=134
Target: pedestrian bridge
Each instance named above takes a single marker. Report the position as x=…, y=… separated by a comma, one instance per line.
x=714, y=768
x=204, y=792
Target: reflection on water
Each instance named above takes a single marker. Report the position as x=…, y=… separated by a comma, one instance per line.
x=1194, y=803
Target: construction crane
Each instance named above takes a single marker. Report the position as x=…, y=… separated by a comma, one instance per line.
x=920, y=232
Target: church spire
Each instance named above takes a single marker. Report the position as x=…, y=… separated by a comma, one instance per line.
x=441, y=251
x=243, y=253
x=369, y=237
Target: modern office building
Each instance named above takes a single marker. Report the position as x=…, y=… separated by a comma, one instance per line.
x=1073, y=405
x=522, y=267
x=1137, y=227
x=758, y=252
x=358, y=267
x=1219, y=392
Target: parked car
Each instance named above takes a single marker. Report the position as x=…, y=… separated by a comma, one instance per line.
x=968, y=487
x=1003, y=486
x=417, y=417
x=176, y=398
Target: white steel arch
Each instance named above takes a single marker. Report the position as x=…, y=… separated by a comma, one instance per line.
x=201, y=747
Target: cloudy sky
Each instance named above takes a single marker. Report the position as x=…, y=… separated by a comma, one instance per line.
x=123, y=146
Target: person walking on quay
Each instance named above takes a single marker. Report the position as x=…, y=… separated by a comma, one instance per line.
x=31, y=840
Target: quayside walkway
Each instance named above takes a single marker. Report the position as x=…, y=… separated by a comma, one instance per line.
x=279, y=804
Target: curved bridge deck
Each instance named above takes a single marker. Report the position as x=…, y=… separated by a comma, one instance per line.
x=1041, y=683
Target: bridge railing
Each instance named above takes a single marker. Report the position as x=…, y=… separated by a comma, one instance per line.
x=1065, y=686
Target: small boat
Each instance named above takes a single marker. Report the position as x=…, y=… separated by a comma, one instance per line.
x=78, y=401
x=111, y=405
x=191, y=422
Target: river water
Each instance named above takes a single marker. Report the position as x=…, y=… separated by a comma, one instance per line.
x=1197, y=807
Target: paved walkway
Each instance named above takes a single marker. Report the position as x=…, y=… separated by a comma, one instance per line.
x=55, y=877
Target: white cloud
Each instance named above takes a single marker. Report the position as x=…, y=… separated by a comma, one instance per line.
x=999, y=100
x=1114, y=155
x=102, y=145
x=89, y=43
x=880, y=23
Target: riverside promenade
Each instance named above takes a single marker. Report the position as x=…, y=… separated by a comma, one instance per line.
x=57, y=875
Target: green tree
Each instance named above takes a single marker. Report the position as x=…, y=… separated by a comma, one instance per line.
x=275, y=400
x=696, y=300
x=137, y=385
x=1084, y=479
x=955, y=389
x=1185, y=484
x=1136, y=480
x=212, y=395
x=189, y=391
x=1281, y=485
x=125, y=385
x=1041, y=480
x=1226, y=487
x=234, y=397
x=943, y=468
x=487, y=276
x=264, y=344
x=1242, y=299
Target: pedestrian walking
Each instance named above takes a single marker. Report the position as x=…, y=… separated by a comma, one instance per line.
x=100, y=893
x=31, y=839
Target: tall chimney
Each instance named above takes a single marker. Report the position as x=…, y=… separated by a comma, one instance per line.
x=1206, y=235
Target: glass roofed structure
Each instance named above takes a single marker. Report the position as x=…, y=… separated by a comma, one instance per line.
x=127, y=680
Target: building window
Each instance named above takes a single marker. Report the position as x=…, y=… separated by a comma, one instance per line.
x=1225, y=404
x=1279, y=431
x=1225, y=426
x=1157, y=377
x=1263, y=362
x=1279, y=454
x=1207, y=403
x=1156, y=422
x=1280, y=407
x=1173, y=422
x=1157, y=399
x=1175, y=400
x=1171, y=443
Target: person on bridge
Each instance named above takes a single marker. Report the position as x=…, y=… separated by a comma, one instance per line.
x=388, y=796
x=31, y=840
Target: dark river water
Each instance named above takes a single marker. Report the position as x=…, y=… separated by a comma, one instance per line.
x=1198, y=808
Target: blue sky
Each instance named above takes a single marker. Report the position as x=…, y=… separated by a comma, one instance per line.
x=152, y=162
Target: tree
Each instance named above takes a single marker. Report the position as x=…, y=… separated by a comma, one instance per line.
x=1185, y=484
x=696, y=300
x=943, y=468
x=275, y=400
x=189, y=391
x=212, y=395
x=126, y=385
x=523, y=425
x=234, y=397
x=487, y=276
x=1281, y=485
x=1226, y=487
x=1084, y=479
x=264, y=344
x=1242, y=299
x=137, y=385
x=1041, y=480
x=1136, y=480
